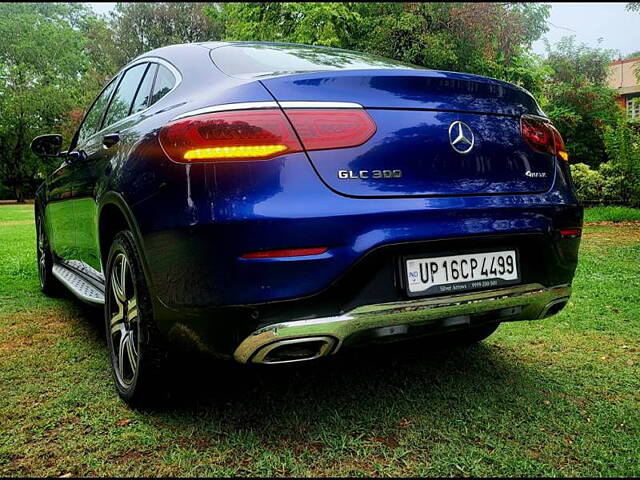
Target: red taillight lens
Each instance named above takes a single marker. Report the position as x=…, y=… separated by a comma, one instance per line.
x=263, y=134
x=325, y=129
x=229, y=136
x=542, y=136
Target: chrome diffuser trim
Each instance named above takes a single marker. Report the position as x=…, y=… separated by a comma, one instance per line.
x=532, y=298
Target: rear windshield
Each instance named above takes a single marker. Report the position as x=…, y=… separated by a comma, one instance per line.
x=254, y=60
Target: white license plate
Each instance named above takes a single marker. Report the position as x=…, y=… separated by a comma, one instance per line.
x=456, y=273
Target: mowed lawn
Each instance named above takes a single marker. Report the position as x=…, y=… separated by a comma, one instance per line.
x=559, y=396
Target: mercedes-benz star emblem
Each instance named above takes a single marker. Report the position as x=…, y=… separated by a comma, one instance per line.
x=461, y=137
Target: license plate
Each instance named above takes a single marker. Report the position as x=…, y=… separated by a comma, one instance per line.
x=457, y=273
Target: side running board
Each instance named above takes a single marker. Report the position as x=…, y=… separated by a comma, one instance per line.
x=79, y=285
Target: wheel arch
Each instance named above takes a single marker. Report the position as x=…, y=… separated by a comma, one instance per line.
x=115, y=215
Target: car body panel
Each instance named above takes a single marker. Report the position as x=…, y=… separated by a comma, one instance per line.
x=414, y=89
x=416, y=144
x=193, y=222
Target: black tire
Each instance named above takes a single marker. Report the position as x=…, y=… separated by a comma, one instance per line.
x=49, y=284
x=136, y=350
x=469, y=336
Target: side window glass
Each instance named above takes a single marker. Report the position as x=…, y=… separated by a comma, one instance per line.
x=93, y=117
x=144, y=92
x=163, y=85
x=123, y=98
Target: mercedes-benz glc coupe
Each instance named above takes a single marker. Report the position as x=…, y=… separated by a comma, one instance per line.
x=275, y=203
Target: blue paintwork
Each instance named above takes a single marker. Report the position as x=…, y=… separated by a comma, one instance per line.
x=193, y=222
x=417, y=143
x=407, y=89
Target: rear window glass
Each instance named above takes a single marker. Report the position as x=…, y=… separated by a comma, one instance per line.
x=123, y=98
x=163, y=85
x=257, y=60
x=142, y=97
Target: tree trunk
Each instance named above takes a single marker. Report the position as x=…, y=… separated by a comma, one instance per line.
x=19, y=193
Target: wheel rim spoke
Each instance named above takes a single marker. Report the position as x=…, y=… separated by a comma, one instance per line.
x=118, y=279
x=123, y=278
x=121, y=347
x=117, y=322
x=132, y=310
x=42, y=267
x=131, y=354
x=123, y=322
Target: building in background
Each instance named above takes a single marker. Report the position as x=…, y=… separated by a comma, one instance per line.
x=623, y=78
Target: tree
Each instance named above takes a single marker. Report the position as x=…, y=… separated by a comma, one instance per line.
x=578, y=99
x=484, y=38
x=42, y=63
x=140, y=27
x=328, y=24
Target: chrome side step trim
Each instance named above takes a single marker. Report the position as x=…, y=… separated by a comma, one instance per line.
x=93, y=275
x=518, y=302
x=79, y=286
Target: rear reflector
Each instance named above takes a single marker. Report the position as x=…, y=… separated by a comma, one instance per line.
x=289, y=252
x=229, y=136
x=542, y=136
x=571, y=232
x=263, y=134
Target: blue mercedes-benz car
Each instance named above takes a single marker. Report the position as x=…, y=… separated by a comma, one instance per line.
x=275, y=203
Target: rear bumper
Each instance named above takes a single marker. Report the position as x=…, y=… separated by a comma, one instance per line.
x=197, y=227
x=327, y=335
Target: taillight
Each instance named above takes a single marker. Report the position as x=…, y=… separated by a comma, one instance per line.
x=542, y=136
x=229, y=136
x=263, y=134
x=327, y=129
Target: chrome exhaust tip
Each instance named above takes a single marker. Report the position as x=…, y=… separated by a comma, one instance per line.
x=553, y=307
x=294, y=350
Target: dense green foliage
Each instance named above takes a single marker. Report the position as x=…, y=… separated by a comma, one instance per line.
x=140, y=27
x=59, y=55
x=618, y=179
x=491, y=39
x=42, y=67
x=578, y=100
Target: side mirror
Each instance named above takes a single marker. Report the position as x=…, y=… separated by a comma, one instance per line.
x=47, y=145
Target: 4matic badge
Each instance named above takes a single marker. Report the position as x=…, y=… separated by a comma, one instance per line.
x=365, y=174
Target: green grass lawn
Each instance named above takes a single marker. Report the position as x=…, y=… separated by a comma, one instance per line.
x=559, y=396
x=612, y=214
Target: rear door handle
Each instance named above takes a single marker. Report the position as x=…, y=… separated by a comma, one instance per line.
x=110, y=140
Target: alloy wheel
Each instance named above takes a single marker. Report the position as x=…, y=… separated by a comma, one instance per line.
x=42, y=259
x=124, y=323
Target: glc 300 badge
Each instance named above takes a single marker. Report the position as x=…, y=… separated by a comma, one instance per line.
x=365, y=174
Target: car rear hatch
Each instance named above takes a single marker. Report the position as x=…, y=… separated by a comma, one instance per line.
x=436, y=133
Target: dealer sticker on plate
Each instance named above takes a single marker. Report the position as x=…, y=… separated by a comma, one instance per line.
x=457, y=273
